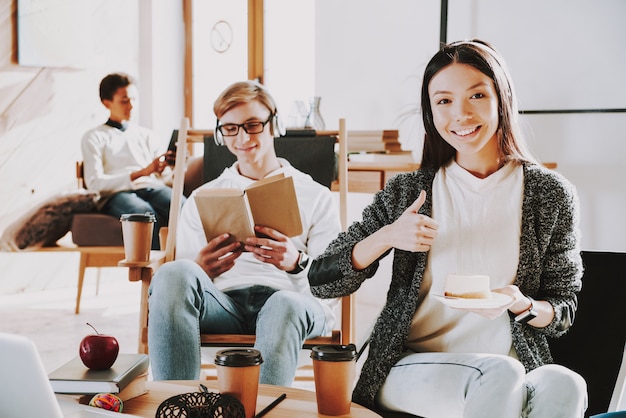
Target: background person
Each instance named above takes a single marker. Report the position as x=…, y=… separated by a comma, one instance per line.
x=126, y=163
x=479, y=204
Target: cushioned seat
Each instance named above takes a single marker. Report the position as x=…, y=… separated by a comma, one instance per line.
x=101, y=230
x=98, y=236
x=96, y=230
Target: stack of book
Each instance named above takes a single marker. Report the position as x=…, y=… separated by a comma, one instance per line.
x=374, y=141
x=126, y=378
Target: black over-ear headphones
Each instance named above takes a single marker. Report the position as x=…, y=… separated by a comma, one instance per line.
x=277, y=127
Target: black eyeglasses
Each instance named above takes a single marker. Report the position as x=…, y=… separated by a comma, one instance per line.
x=232, y=129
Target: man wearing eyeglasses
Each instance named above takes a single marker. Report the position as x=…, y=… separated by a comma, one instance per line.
x=259, y=287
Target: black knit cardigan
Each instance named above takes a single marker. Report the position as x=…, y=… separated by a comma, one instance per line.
x=550, y=268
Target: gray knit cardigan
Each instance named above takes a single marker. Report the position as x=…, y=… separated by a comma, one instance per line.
x=550, y=268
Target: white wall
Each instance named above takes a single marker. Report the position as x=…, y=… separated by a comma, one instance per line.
x=563, y=54
x=369, y=59
x=161, y=65
x=590, y=150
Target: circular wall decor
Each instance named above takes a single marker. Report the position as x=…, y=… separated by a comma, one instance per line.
x=221, y=36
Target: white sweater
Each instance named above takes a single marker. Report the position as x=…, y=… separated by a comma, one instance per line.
x=320, y=224
x=479, y=232
x=110, y=155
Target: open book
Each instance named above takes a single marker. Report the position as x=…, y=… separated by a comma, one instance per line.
x=269, y=202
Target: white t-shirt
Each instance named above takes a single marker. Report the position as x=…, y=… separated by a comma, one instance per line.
x=479, y=232
x=320, y=224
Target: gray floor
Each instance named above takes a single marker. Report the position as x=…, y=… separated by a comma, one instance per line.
x=47, y=316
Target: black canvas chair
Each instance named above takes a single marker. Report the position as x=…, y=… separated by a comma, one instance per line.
x=594, y=345
x=314, y=155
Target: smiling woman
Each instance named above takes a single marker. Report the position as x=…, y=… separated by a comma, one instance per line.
x=477, y=205
x=466, y=117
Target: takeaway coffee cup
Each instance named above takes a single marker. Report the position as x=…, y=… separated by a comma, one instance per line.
x=238, y=375
x=334, y=368
x=137, y=234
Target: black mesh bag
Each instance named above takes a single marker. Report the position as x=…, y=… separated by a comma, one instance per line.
x=201, y=405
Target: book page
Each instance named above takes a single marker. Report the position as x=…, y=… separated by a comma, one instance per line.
x=225, y=211
x=269, y=179
x=273, y=203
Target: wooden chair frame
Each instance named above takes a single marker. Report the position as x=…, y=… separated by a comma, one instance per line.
x=90, y=256
x=143, y=272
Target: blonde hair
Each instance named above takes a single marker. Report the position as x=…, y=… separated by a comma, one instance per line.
x=243, y=92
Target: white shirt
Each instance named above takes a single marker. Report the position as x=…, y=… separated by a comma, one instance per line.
x=110, y=155
x=320, y=224
x=479, y=232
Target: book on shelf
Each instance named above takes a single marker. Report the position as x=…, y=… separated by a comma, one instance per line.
x=376, y=148
x=374, y=141
x=402, y=157
x=75, y=378
x=384, y=133
x=269, y=202
x=393, y=147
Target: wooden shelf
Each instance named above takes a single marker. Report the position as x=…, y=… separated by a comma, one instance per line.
x=368, y=173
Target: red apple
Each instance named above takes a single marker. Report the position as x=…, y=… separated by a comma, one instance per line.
x=99, y=351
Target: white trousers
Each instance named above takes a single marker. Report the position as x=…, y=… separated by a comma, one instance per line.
x=451, y=385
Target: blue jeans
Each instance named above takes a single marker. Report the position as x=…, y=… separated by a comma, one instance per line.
x=184, y=302
x=481, y=386
x=151, y=199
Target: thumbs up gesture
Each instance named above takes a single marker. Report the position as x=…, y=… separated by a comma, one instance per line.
x=413, y=231
x=410, y=232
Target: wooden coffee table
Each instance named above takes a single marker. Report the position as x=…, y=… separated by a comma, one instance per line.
x=299, y=403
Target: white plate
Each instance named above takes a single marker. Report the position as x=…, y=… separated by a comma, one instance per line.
x=497, y=301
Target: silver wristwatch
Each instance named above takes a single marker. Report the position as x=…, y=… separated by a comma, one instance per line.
x=529, y=314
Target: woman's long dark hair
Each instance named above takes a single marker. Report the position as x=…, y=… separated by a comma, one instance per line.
x=482, y=56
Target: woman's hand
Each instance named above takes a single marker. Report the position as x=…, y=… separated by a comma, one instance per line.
x=275, y=248
x=412, y=231
x=518, y=303
x=218, y=257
